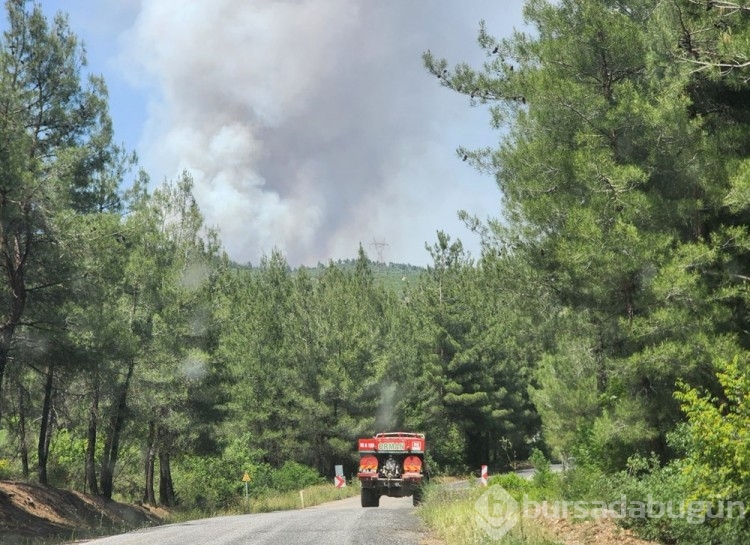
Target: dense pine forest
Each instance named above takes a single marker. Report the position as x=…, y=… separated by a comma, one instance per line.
x=605, y=322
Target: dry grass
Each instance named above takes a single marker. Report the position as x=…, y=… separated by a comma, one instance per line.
x=451, y=515
x=314, y=495
x=274, y=501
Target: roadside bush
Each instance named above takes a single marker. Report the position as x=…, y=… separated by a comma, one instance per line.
x=206, y=483
x=294, y=476
x=542, y=473
x=514, y=484
x=696, y=500
x=214, y=483
x=543, y=485
x=583, y=483
x=716, y=434
x=655, y=503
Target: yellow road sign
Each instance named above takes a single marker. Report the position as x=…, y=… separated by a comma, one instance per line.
x=246, y=477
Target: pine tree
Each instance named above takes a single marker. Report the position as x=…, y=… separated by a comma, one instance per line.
x=53, y=122
x=622, y=172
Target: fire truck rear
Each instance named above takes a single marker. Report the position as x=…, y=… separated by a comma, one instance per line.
x=392, y=464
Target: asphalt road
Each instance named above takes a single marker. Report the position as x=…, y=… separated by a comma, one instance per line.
x=340, y=522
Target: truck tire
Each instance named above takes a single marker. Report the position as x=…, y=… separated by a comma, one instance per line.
x=370, y=497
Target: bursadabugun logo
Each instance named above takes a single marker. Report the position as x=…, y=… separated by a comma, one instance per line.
x=497, y=512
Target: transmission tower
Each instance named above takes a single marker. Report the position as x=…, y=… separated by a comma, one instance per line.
x=380, y=246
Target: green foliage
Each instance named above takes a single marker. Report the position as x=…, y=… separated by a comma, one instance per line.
x=543, y=485
x=716, y=435
x=582, y=483
x=207, y=483
x=659, y=503
x=5, y=469
x=450, y=450
x=513, y=484
x=566, y=394
x=294, y=476
x=66, y=453
x=632, y=250
x=659, y=487
x=543, y=475
x=213, y=484
x=692, y=521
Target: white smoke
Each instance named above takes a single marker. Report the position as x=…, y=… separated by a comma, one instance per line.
x=385, y=419
x=309, y=126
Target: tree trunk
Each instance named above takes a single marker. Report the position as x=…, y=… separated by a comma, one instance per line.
x=14, y=249
x=166, y=487
x=148, y=496
x=112, y=442
x=45, y=428
x=6, y=338
x=90, y=462
x=23, y=445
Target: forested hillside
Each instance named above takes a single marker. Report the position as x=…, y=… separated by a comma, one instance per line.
x=606, y=320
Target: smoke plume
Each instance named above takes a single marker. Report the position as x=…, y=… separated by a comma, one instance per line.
x=309, y=126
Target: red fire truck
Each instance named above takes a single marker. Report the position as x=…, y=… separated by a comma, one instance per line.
x=392, y=464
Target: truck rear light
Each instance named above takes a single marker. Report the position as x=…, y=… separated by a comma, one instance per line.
x=412, y=464
x=368, y=463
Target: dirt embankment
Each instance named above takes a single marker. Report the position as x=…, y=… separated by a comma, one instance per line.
x=30, y=513
x=590, y=532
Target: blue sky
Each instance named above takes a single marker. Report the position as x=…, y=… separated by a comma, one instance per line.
x=308, y=126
